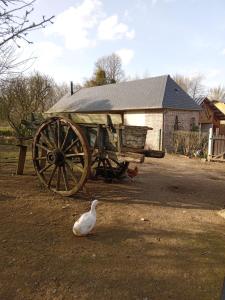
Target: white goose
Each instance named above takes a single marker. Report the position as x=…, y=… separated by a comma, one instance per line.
x=86, y=222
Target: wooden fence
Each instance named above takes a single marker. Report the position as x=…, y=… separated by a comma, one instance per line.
x=216, y=147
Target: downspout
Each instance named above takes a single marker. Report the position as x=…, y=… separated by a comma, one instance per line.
x=163, y=132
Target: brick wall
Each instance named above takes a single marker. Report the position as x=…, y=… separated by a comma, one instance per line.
x=184, y=123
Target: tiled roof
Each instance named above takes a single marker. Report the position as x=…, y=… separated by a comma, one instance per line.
x=151, y=93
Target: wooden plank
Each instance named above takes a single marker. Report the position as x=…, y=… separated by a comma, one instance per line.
x=219, y=155
x=95, y=118
x=217, y=160
x=216, y=147
x=222, y=297
x=219, y=139
x=126, y=156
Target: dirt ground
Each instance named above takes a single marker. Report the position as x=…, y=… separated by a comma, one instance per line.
x=177, y=253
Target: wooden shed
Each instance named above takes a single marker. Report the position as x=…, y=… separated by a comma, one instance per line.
x=211, y=115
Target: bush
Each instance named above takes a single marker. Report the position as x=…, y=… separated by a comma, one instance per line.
x=6, y=132
x=190, y=143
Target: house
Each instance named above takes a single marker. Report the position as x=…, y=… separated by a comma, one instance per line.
x=157, y=102
x=212, y=115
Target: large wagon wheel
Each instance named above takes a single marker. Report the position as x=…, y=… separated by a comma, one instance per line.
x=61, y=156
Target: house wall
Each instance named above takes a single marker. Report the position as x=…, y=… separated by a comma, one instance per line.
x=149, y=118
x=184, y=123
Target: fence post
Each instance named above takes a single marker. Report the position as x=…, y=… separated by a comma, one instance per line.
x=210, y=144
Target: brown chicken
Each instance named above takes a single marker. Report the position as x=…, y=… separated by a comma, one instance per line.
x=131, y=173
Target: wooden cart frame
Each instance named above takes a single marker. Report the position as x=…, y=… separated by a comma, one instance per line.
x=65, y=154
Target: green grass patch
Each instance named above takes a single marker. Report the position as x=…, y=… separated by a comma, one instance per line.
x=6, y=131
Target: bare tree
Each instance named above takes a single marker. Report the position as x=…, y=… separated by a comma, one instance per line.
x=112, y=65
x=192, y=85
x=15, y=21
x=217, y=93
x=15, y=26
x=22, y=96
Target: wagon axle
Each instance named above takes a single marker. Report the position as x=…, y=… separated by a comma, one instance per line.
x=56, y=157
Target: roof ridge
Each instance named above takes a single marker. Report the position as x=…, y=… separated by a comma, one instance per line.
x=163, y=91
x=124, y=82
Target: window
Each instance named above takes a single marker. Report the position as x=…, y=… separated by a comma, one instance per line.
x=176, y=124
x=192, y=124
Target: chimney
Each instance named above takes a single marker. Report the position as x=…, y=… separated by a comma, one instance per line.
x=71, y=88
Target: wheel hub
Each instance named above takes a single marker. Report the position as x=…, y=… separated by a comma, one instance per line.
x=55, y=157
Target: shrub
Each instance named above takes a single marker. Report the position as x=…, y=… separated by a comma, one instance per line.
x=190, y=143
x=6, y=132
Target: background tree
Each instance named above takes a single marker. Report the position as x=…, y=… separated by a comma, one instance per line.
x=24, y=95
x=192, y=85
x=108, y=69
x=217, y=93
x=99, y=78
x=112, y=65
x=15, y=26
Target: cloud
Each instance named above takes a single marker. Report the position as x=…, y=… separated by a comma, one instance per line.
x=41, y=55
x=47, y=52
x=83, y=25
x=126, y=55
x=223, y=51
x=154, y=2
x=211, y=73
x=75, y=24
x=112, y=29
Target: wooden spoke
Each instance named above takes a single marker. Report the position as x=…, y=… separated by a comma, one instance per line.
x=65, y=138
x=71, y=145
x=46, y=139
x=99, y=162
x=45, y=168
x=110, y=166
x=74, y=155
x=71, y=173
x=104, y=167
x=52, y=175
x=58, y=133
x=116, y=162
x=75, y=165
x=58, y=178
x=40, y=158
x=94, y=161
x=42, y=147
x=52, y=134
x=65, y=178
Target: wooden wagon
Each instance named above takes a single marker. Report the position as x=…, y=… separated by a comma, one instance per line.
x=67, y=153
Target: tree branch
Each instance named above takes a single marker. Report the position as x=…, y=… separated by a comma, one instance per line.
x=25, y=29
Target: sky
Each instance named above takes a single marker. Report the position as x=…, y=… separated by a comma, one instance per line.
x=152, y=37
